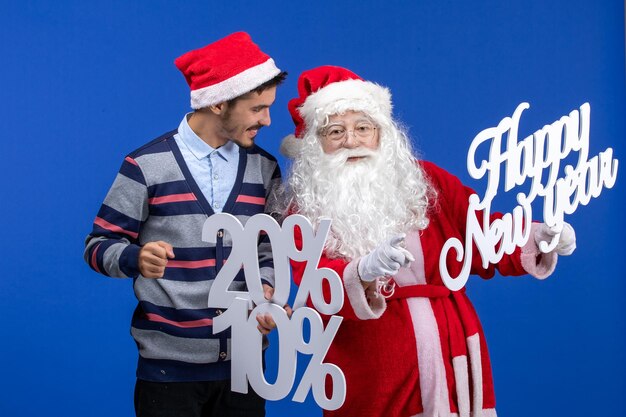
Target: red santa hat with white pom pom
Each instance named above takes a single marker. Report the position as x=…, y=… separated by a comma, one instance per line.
x=328, y=90
x=225, y=69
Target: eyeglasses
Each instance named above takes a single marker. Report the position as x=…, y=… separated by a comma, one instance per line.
x=337, y=133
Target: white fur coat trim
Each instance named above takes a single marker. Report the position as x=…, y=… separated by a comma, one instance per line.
x=356, y=295
x=539, y=265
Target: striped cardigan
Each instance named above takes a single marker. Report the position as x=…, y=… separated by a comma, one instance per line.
x=154, y=197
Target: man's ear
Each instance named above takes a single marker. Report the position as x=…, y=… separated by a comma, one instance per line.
x=219, y=108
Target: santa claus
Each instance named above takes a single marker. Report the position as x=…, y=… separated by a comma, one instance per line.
x=408, y=346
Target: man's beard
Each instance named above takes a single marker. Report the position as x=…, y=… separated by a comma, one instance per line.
x=237, y=132
x=369, y=200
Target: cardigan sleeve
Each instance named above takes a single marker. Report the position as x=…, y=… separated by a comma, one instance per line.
x=266, y=260
x=112, y=248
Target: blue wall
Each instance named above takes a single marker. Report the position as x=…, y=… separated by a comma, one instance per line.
x=84, y=82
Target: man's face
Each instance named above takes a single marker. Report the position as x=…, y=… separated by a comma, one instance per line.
x=350, y=131
x=242, y=121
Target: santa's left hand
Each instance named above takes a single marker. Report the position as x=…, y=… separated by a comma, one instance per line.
x=544, y=235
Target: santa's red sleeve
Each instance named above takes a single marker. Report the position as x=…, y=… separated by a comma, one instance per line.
x=453, y=200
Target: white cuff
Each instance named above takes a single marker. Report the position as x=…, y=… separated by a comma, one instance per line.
x=363, y=309
x=539, y=265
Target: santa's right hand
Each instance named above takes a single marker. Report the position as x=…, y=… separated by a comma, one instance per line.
x=385, y=260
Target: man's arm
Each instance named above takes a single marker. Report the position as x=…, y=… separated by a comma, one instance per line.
x=266, y=260
x=112, y=248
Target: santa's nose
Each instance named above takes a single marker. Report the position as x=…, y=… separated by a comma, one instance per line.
x=351, y=140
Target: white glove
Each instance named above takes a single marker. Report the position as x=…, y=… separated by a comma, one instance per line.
x=544, y=236
x=385, y=260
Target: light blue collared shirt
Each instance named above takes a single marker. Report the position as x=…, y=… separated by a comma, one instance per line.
x=214, y=170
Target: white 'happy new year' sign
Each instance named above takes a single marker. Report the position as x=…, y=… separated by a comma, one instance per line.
x=527, y=159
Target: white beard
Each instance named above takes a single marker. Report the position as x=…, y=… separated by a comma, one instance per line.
x=369, y=200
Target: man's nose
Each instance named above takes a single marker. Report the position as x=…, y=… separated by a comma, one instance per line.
x=265, y=120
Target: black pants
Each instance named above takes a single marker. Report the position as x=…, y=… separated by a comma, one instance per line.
x=195, y=399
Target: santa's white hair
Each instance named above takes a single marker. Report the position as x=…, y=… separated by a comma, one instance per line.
x=368, y=201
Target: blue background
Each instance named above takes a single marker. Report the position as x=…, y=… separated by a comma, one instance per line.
x=84, y=82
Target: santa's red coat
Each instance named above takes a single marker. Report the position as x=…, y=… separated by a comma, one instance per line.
x=422, y=351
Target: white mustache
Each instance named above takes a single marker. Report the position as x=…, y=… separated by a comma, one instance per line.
x=342, y=156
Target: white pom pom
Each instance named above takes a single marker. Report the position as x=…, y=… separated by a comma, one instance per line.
x=291, y=146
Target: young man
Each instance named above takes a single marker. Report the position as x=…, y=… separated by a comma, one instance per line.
x=408, y=346
x=150, y=225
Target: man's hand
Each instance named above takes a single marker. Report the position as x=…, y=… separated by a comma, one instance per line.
x=266, y=322
x=153, y=258
x=385, y=260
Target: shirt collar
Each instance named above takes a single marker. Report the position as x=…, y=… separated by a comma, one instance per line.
x=199, y=148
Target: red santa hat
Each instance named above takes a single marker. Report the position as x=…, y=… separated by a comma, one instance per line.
x=328, y=90
x=225, y=69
